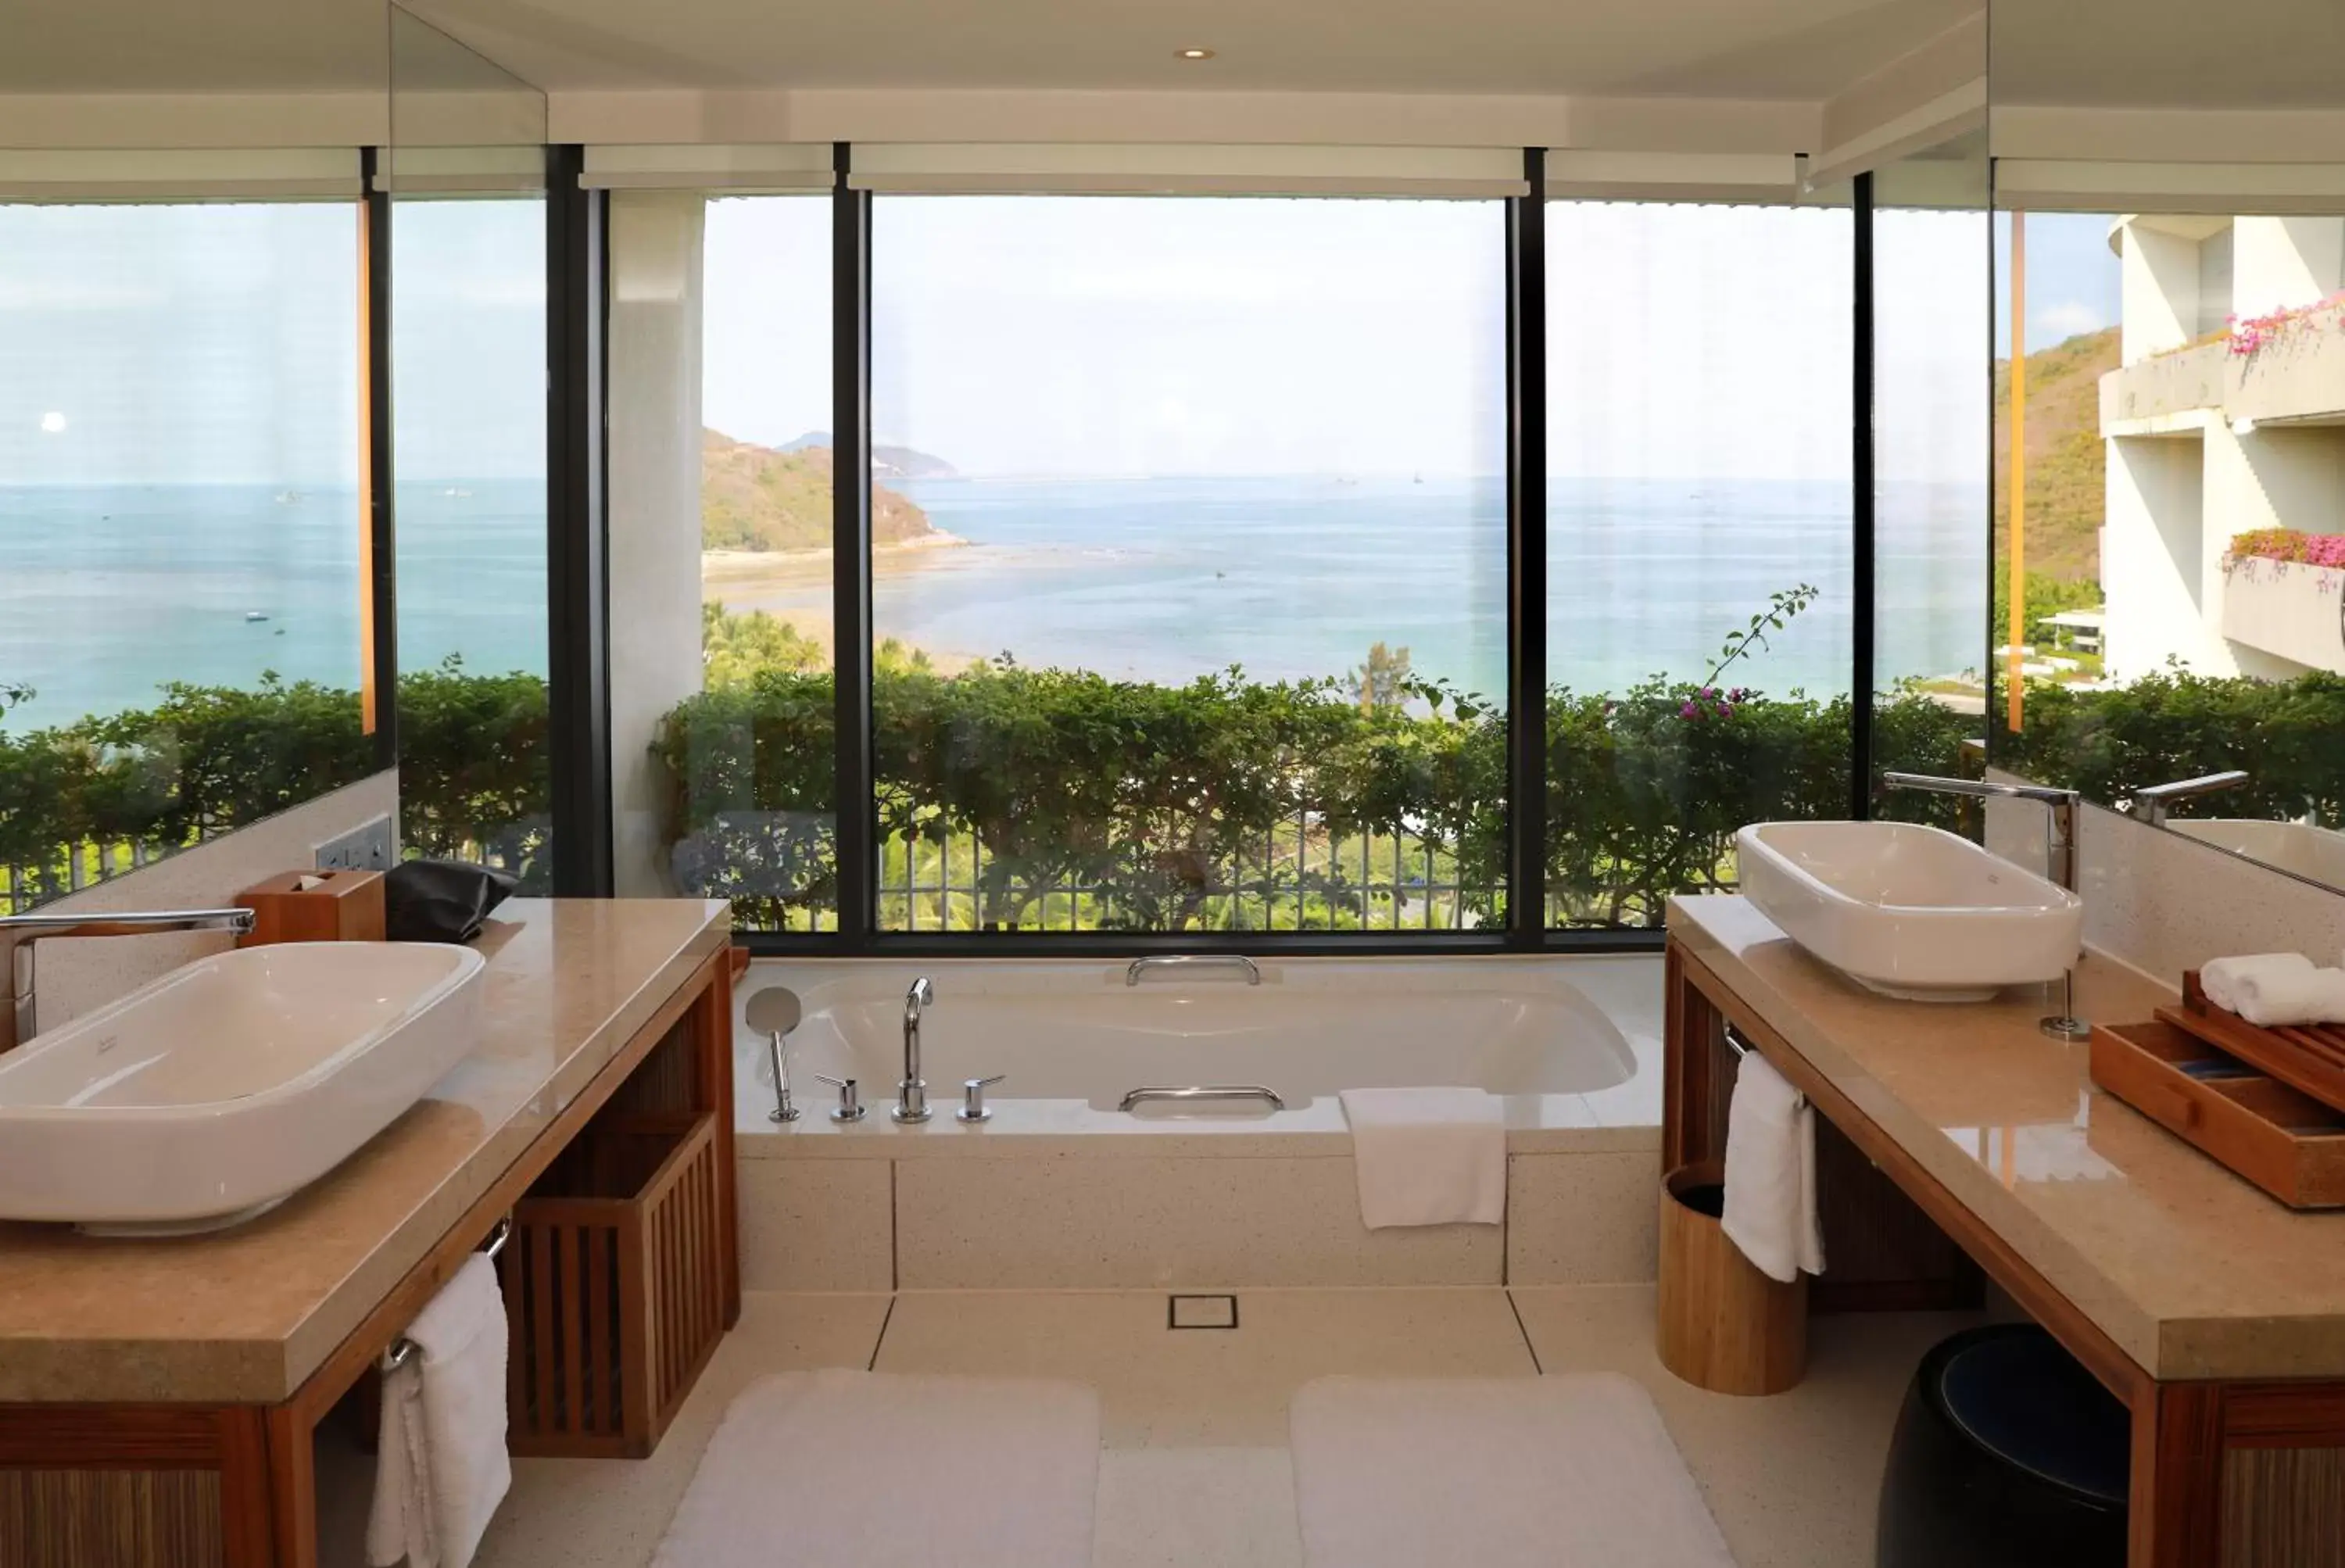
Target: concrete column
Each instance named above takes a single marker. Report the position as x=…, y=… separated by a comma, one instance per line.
x=655, y=507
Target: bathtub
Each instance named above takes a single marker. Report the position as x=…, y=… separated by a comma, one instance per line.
x=1077, y=1034
x=1063, y=1187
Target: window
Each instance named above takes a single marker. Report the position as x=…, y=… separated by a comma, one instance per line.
x=1190, y=577
x=181, y=620
x=1700, y=596
x=750, y=747
x=468, y=363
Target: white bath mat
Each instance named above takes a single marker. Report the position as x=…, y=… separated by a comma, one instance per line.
x=871, y=1470
x=1497, y=1473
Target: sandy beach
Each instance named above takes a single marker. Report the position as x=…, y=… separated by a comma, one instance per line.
x=794, y=586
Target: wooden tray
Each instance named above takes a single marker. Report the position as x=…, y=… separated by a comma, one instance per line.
x=2289, y=1144
x=2310, y=1058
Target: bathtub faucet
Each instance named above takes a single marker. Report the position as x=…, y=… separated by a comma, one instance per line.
x=912, y=1093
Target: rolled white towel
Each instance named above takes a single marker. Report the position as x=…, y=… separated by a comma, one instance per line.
x=2279, y=998
x=2223, y=979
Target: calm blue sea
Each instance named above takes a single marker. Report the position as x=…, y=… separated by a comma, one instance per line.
x=107, y=592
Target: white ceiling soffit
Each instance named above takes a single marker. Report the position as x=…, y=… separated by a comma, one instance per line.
x=461, y=170
x=241, y=46
x=1159, y=169
x=229, y=121
x=271, y=174
x=2168, y=135
x=1689, y=177
x=1935, y=95
x=2276, y=189
x=1187, y=118
x=738, y=168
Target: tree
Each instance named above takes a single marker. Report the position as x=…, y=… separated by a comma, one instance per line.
x=1382, y=682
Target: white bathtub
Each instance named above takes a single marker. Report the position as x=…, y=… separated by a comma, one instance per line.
x=1063, y=1189
x=1074, y=1038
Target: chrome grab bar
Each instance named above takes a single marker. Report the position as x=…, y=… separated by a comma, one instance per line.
x=1205, y=1092
x=402, y=1347
x=1185, y=959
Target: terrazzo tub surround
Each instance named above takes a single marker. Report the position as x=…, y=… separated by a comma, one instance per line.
x=1062, y=1189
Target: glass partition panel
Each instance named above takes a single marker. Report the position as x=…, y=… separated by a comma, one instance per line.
x=1700, y=596
x=1932, y=289
x=749, y=750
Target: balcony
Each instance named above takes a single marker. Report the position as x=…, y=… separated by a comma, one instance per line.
x=2164, y=393
x=2297, y=377
x=2286, y=608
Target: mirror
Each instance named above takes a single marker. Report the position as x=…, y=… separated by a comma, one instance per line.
x=466, y=175
x=184, y=612
x=2169, y=417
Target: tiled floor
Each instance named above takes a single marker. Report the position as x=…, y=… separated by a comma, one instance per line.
x=1196, y=1471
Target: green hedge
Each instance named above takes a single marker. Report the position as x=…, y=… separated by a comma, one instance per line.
x=1175, y=797
x=1172, y=800
x=209, y=759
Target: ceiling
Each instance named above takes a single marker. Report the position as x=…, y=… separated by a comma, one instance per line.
x=2240, y=54
x=1770, y=49
x=1799, y=49
x=2182, y=52
x=183, y=46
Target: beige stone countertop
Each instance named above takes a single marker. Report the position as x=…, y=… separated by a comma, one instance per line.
x=2191, y=1270
x=246, y=1315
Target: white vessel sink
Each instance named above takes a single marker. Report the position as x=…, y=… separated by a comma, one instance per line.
x=2317, y=854
x=230, y=1082
x=1910, y=911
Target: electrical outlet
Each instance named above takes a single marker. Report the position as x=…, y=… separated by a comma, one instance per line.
x=365, y=847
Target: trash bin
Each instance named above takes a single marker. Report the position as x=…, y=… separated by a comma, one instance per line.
x=2007, y=1454
x=1722, y=1325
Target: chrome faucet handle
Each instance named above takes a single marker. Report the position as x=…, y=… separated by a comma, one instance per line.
x=973, y=1098
x=850, y=1105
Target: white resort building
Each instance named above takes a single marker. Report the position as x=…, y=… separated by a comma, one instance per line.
x=2212, y=433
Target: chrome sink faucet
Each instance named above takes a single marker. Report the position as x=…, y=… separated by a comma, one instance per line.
x=20, y=1018
x=2059, y=863
x=2060, y=837
x=912, y=1093
x=2154, y=804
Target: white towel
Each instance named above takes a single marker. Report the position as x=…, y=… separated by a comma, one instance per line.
x=2229, y=980
x=1771, y=1174
x=1428, y=1156
x=443, y=1468
x=2277, y=1000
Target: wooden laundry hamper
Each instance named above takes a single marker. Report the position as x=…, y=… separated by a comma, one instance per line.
x=614, y=1286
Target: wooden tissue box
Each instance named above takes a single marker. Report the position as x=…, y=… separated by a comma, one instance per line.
x=314, y=906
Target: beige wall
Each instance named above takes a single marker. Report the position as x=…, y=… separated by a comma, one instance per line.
x=77, y=976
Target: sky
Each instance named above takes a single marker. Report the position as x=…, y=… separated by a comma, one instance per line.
x=1089, y=335
x=218, y=344
x=1034, y=336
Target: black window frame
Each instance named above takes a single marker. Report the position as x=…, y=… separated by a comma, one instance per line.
x=579, y=610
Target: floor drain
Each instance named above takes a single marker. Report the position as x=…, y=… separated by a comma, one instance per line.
x=1201, y=1312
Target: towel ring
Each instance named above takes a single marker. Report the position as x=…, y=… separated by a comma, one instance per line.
x=402, y=1347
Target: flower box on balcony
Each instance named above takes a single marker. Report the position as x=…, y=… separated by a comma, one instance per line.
x=2289, y=608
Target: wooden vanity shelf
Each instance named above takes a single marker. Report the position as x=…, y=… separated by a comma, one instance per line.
x=612, y=1287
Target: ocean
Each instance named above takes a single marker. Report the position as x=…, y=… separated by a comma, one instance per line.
x=106, y=592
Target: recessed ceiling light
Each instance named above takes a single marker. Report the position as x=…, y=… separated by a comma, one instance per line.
x=1195, y=54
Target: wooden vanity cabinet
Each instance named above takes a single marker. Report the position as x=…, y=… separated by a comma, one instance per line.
x=186, y=1485
x=2225, y=1473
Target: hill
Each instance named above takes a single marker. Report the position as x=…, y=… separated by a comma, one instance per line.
x=2067, y=466
x=894, y=462
x=757, y=498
